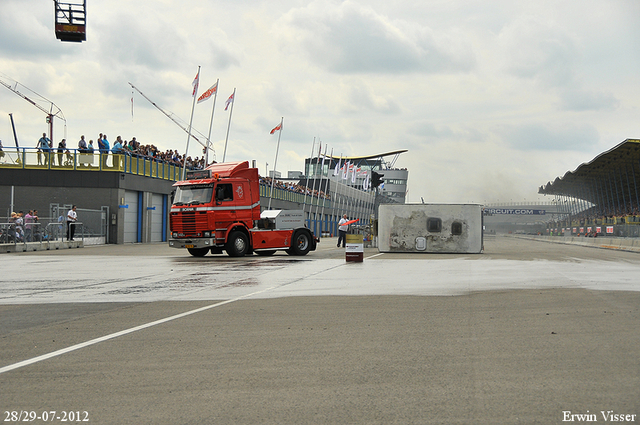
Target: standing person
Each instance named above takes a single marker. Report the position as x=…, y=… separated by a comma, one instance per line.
x=61, y=147
x=28, y=230
x=19, y=230
x=82, y=145
x=36, y=232
x=72, y=217
x=44, y=144
x=117, y=151
x=101, y=148
x=107, y=148
x=342, y=231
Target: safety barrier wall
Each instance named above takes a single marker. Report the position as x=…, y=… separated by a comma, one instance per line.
x=622, y=244
x=603, y=230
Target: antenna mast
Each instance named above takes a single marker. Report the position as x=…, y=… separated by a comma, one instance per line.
x=175, y=119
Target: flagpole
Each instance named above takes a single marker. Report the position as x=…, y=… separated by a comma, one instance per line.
x=206, y=155
x=324, y=198
x=193, y=107
x=275, y=163
x=314, y=183
x=320, y=185
x=335, y=201
x=306, y=175
x=233, y=102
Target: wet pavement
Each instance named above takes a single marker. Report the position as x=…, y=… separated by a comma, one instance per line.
x=172, y=274
x=147, y=334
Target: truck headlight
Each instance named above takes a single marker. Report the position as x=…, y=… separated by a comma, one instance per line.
x=207, y=234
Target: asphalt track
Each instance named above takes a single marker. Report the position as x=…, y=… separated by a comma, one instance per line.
x=528, y=332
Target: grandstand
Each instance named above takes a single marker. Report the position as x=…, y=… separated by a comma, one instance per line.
x=600, y=196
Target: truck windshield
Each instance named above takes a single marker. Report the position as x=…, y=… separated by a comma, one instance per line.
x=193, y=195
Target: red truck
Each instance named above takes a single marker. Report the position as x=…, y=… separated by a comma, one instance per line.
x=218, y=209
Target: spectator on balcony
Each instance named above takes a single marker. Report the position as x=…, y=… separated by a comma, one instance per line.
x=82, y=145
x=44, y=146
x=61, y=147
x=106, y=147
x=117, y=151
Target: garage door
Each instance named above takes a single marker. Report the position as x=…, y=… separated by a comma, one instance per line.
x=157, y=209
x=130, y=216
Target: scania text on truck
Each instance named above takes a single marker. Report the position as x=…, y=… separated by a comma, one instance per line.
x=218, y=209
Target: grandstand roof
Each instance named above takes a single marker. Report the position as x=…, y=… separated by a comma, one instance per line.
x=379, y=155
x=621, y=163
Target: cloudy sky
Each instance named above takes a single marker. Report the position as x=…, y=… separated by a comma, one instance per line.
x=491, y=98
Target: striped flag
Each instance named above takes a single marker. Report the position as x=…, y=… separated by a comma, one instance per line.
x=206, y=95
x=276, y=128
x=228, y=102
x=196, y=82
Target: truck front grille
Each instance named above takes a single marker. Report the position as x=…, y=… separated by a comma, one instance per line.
x=189, y=223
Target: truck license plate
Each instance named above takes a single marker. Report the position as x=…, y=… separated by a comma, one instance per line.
x=189, y=246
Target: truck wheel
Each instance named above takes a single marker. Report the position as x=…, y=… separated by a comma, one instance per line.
x=237, y=244
x=198, y=252
x=301, y=243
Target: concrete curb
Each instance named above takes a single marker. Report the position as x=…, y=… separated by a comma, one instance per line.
x=39, y=246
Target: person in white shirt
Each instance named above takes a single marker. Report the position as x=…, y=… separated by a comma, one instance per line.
x=342, y=231
x=72, y=217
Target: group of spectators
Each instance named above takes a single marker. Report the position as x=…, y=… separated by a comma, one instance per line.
x=120, y=146
x=596, y=213
x=25, y=227
x=294, y=187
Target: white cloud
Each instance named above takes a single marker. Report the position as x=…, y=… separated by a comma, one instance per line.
x=347, y=38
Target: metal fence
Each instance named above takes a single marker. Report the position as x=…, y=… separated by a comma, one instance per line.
x=95, y=224
x=92, y=227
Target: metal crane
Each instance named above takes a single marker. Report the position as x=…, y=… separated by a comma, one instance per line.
x=52, y=111
x=177, y=120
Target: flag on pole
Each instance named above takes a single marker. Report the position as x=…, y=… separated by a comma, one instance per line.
x=206, y=95
x=345, y=172
x=336, y=171
x=365, y=183
x=196, y=82
x=353, y=175
x=228, y=102
x=276, y=128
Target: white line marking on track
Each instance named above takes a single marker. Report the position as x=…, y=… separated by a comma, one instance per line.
x=124, y=332
x=145, y=326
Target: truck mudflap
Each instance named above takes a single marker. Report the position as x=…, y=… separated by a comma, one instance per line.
x=193, y=243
